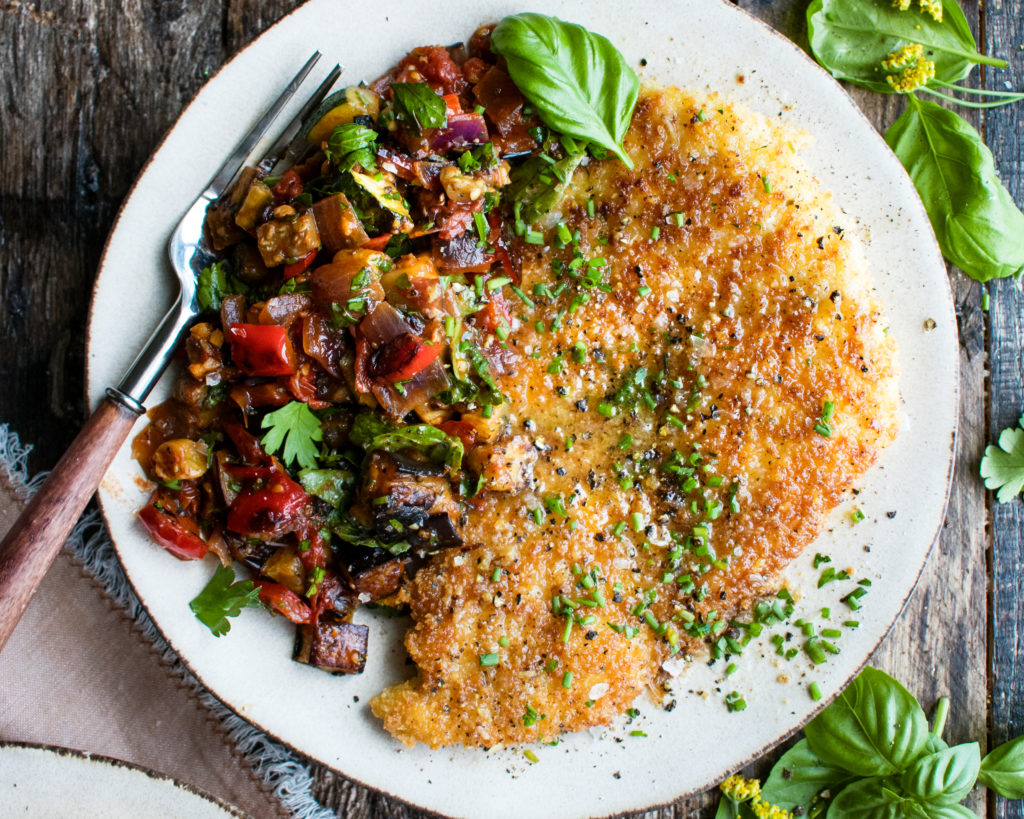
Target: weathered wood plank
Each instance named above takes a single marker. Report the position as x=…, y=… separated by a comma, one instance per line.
x=1004, y=32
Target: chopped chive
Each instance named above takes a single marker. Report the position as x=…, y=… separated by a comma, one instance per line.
x=815, y=651
x=618, y=528
x=730, y=669
x=537, y=515
x=498, y=282
x=488, y=659
x=831, y=633
x=567, y=631
x=522, y=296
x=534, y=237
x=567, y=679
x=626, y=441
x=766, y=182
x=985, y=301
x=530, y=755
x=655, y=233
x=827, y=411
x=851, y=623
x=643, y=291
x=579, y=352
x=590, y=208
x=482, y=228
x=503, y=642
x=638, y=521
x=824, y=430
x=856, y=515
x=815, y=691
x=496, y=575
x=563, y=233
x=678, y=218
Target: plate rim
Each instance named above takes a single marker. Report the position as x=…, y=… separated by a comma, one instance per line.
x=947, y=293
x=114, y=762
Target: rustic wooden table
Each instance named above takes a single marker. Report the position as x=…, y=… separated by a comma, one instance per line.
x=89, y=87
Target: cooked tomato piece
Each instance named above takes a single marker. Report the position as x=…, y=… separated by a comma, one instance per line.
x=270, y=502
x=462, y=430
x=260, y=349
x=178, y=534
x=403, y=357
x=284, y=601
x=494, y=314
x=288, y=187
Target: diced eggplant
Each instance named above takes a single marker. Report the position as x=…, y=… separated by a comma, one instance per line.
x=333, y=645
x=338, y=224
x=232, y=311
x=219, y=224
x=336, y=594
x=506, y=466
x=258, y=197
x=287, y=239
x=348, y=288
x=408, y=506
x=251, y=551
x=247, y=263
x=379, y=581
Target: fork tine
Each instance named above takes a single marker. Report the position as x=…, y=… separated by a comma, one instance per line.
x=291, y=143
x=219, y=184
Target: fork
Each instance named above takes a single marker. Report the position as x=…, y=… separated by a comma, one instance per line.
x=36, y=536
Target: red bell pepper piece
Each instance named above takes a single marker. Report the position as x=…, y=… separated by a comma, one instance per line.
x=295, y=268
x=261, y=349
x=412, y=358
x=378, y=242
x=284, y=601
x=272, y=505
x=179, y=535
x=302, y=385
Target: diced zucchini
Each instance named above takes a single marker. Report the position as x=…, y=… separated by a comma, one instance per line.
x=341, y=107
x=381, y=186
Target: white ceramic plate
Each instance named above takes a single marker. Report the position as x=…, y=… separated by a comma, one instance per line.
x=700, y=44
x=42, y=782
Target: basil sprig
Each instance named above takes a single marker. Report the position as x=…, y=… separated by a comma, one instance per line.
x=576, y=81
x=882, y=47
x=870, y=755
x=851, y=39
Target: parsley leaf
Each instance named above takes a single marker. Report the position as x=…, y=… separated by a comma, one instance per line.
x=295, y=426
x=222, y=598
x=212, y=286
x=417, y=106
x=1003, y=466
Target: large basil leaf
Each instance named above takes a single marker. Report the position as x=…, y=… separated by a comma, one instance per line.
x=576, y=80
x=537, y=196
x=1002, y=770
x=947, y=812
x=978, y=226
x=870, y=799
x=875, y=727
x=373, y=433
x=945, y=777
x=799, y=776
x=851, y=39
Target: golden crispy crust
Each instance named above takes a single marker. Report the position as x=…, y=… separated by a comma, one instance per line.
x=761, y=292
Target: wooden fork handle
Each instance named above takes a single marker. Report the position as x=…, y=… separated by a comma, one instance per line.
x=37, y=535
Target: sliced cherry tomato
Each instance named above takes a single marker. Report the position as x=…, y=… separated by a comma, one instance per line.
x=288, y=187
x=284, y=601
x=295, y=268
x=260, y=349
x=463, y=430
x=271, y=504
x=179, y=535
x=302, y=385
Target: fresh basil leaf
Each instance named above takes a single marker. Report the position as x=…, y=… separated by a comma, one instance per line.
x=539, y=186
x=799, y=776
x=417, y=106
x=934, y=744
x=222, y=598
x=351, y=144
x=947, y=812
x=332, y=485
x=944, y=777
x=978, y=226
x=874, y=727
x=850, y=39
x=870, y=799
x=577, y=81
x=372, y=433
x=1002, y=467
x=1002, y=769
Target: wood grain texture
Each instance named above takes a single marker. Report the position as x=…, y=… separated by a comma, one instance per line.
x=89, y=87
x=34, y=539
x=1004, y=35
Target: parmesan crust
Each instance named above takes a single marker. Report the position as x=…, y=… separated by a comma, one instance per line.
x=757, y=290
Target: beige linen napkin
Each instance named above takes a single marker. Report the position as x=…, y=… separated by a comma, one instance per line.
x=77, y=673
